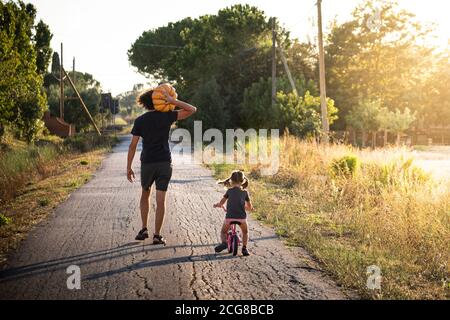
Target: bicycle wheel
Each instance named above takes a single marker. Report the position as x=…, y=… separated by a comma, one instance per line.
x=235, y=244
x=230, y=242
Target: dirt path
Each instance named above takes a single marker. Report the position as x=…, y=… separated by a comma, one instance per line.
x=95, y=228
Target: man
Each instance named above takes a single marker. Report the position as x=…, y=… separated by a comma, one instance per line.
x=156, y=161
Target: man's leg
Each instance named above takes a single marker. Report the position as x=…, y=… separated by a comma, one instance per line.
x=160, y=211
x=145, y=206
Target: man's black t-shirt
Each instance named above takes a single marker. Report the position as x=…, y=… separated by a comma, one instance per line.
x=154, y=128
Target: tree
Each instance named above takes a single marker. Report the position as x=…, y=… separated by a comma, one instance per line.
x=435, y=106
x=53, y=76
x=22, y=100
x=385, y=64
x=42, y=41
x=212, y=109
x=397, y=122
x=128, y=101
x=302, y=60
x=233, y=47
x=365, y=118
x=256, y=110
x=298, y=114
x=301, y=114
x=89, y=90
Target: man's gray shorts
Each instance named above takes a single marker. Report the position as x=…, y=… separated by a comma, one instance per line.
x=159, y=173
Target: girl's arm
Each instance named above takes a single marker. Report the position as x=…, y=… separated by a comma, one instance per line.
x=249, y=206
x=221, y=203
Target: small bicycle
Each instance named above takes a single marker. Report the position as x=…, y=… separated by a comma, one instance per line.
x=233, y=239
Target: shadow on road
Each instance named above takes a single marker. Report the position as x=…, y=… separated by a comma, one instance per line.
x=187, y=181
x=109, y=254
x=157, y=263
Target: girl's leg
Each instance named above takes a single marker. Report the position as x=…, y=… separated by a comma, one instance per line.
x=224, y=231
x=244, y=229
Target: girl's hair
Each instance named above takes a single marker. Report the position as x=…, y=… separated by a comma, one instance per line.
x=145, y=100
x=237, y=177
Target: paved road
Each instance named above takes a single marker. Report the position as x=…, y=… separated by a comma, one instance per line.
x=435, y=161
x=95, y=230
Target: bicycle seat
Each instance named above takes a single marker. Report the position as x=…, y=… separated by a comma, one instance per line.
x=235, y=222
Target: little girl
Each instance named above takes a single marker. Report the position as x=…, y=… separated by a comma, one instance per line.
x=238, y=200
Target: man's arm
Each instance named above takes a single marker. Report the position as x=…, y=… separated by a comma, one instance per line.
x=186, y=111
x=131, y=152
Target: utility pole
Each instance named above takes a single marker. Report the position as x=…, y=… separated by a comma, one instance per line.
x=73, y=70
x=274, y=62
x=81, y=101
x=61, y=85
x=323, y=93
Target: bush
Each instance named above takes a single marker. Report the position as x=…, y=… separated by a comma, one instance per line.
x=89, y=141
x=44, y=202
x=345, y=166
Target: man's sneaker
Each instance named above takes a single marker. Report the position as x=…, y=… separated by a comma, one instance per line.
x=159, y=240
x=142, y=235
x=245, y=252
x=221, y=247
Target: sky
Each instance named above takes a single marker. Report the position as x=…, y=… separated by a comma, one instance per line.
x=98, y=33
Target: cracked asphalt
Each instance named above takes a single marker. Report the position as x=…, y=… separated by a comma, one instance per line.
x=95, y=229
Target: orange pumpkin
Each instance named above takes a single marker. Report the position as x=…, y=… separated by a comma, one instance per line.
x=159, y=98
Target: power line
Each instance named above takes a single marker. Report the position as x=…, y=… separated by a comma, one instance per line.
x=157, y=45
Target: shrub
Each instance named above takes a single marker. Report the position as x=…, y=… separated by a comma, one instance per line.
x=4, y=220
x=89, y=141
x=345, y=166
x=44, y=202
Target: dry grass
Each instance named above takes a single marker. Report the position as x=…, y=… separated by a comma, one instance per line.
x=35, y=179
x=38, y=199
x=389, y=213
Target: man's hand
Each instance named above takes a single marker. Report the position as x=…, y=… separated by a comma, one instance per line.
x=130, y=175
x=169, y=98
x=131, y=153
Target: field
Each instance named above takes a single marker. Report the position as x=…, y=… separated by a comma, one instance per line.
x=352, y=209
